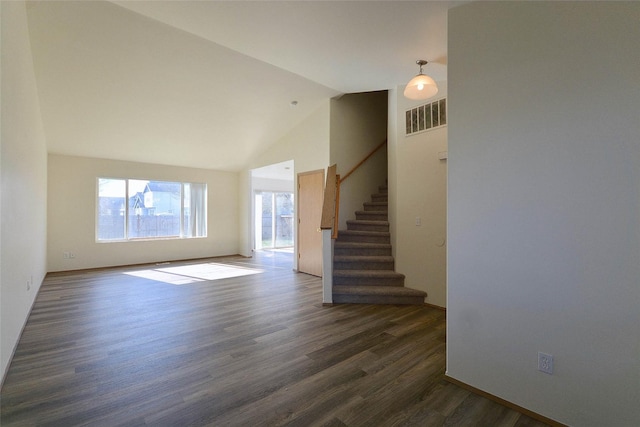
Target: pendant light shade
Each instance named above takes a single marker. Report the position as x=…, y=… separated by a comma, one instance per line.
x=421, y=86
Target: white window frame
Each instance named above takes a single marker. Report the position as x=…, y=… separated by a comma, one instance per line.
x=127, y=238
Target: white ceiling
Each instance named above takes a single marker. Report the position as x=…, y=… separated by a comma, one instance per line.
x=209, y=84
x=282, y=171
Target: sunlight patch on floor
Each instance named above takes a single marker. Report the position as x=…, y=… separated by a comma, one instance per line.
x=186, y=274
x=287, y=250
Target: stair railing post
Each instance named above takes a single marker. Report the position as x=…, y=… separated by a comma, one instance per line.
x=328, y=225
x=336, y=214
x=327, y=267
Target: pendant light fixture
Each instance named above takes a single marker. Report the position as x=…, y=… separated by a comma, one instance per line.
x=421, y=86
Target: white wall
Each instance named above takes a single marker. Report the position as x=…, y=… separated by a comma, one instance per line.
x=23, y=180
x=544, y=206
x=275, y=185
x=358, y=126
x=419, y=190
x=307, y=144
x=72, y=214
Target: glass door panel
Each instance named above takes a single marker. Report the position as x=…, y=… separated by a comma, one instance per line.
x=274, y=219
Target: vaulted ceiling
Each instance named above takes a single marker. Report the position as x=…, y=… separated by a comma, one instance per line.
x=209, y=84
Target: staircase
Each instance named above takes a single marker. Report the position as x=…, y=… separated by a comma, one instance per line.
x=363, y=268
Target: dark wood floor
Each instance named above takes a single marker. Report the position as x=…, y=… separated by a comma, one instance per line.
x=179, y=345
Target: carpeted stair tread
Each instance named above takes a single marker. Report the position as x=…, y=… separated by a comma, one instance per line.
x=361, y=262
x=380, y=197
x=341, y=244
x=373, y=275
x=377, y=295
x=372, y=215
x=377, y=299
x=378, y=290
x=342, y=248
x=367, y=222
x=372, y=258
x=367, y=277
x=363, y=233
x=363, y=212
x=367, y=225
x=376, y=206
x=364, y=236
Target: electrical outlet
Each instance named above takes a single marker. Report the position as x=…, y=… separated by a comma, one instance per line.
x=545, y=363
x=418, y=221
x=65, y=255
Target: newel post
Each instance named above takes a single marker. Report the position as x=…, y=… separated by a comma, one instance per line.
x=327, y=266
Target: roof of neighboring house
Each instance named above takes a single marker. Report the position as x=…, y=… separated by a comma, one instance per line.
x=137, y=200
x=161, y=186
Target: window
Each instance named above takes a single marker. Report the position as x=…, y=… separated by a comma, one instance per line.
x=130, y=209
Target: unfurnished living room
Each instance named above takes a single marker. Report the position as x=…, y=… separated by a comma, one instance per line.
x=320, y=213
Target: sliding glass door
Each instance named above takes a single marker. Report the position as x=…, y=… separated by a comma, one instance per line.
x=273, y=219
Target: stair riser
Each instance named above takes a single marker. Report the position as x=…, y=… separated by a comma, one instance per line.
x=362, y=251
x=363, y=265
x=376, y=207
x=380, y=198
x=378, y=299
x=368, y=281
x=372, y=216
x=368, y=227
x=364, y=239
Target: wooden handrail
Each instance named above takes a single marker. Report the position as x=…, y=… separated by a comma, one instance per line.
x=375, y=150
x=329, y=203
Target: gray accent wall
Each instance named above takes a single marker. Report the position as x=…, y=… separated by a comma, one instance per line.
x=544, y=206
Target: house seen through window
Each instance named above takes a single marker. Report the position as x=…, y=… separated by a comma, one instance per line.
x=131, y=209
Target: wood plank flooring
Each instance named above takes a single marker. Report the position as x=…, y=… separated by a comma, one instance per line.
x=230, y=342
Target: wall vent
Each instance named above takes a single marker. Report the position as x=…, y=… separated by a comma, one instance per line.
x=426, y=117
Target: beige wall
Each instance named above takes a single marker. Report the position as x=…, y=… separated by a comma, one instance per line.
x=419, y=190
x=307, y=144
x=358, y=125
x=23, y=181
x=72, y=214
x=544, y=206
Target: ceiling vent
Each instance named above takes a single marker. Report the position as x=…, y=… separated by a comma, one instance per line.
x=426, y=117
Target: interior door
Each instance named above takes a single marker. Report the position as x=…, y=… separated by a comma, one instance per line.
x=310, y=194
